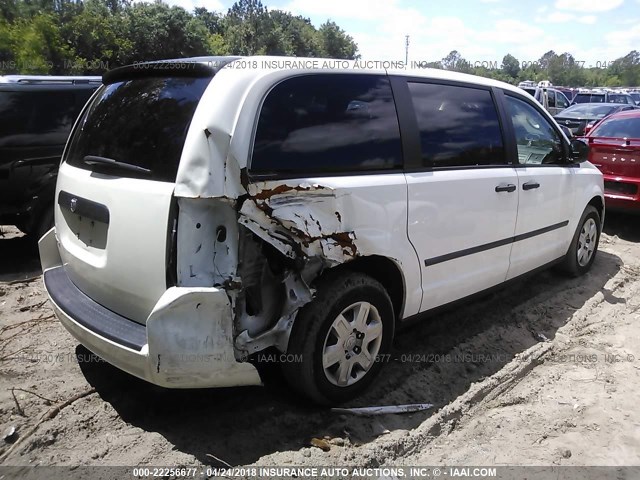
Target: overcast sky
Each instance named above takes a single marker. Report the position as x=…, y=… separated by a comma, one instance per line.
x=594, y=31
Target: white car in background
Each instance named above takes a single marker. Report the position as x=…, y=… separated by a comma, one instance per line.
x=211, y=209
x=552, y=100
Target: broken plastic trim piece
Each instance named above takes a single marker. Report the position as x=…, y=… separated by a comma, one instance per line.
x=298, y=295
x=384, y=410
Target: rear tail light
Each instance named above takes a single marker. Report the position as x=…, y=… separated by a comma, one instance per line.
x=172, y=252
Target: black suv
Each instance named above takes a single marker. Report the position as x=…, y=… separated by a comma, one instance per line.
x=36, y=116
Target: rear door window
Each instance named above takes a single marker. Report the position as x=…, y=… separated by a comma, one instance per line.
x=561, y=100
x=327, y=123
x=459, y=126
x=551, y=96
x=142, y=122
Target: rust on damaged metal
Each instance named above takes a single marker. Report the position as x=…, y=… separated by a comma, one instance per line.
x=300, y=223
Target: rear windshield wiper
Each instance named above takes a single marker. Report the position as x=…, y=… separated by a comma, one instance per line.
x=110, y=162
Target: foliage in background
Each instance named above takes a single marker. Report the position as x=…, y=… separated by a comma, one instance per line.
x=560, y=69
x=91, y=36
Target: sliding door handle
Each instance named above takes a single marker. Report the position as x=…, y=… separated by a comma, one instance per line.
x=530, y=185
x=510, y=187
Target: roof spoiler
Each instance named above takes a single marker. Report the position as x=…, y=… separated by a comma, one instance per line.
x=180, y=67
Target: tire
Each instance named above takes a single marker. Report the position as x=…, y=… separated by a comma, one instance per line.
x=584, y=245
x=331, y=320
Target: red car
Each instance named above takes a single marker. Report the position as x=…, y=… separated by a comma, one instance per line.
x=615, y=149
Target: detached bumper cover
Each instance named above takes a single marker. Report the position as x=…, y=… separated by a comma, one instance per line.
x=187, y=341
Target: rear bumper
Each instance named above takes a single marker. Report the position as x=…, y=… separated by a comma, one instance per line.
x=618, y=198
x=187, y=341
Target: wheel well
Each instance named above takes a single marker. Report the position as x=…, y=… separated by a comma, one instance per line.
x=598, y=204
x=385, y=271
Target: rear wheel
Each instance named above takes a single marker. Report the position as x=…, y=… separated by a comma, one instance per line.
x=584, y=244
x=339, y=338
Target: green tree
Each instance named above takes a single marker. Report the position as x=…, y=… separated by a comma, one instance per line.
x=100, y=38
x=37, y=47
x=157, y=31
x=211, y=20
x=510, y=66
x=6, y=49
x=8, y=11
x=455, y=62
x=613, y=81
x=627, y=68
x=299, y=37
x=546, y=59
x=117, y=6
x=87, y=36
x=216, y=45
x=248, y=28
x=335, y=43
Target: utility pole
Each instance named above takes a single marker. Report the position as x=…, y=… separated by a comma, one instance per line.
x=406, y=50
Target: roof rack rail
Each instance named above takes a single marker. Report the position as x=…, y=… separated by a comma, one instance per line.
x=50, y=79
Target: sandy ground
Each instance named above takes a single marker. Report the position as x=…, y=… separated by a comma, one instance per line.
x=545, y=372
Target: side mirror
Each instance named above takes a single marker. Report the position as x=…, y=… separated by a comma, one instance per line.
x=579, y=151
x=567, y=131
x=588, y=127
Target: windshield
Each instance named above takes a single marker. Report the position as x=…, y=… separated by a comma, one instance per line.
x=618, y=128
x=141, y=122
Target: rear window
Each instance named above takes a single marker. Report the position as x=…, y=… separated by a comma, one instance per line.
x=588, y=98
x=141, y=122
x=618, y=128
x=36, y=118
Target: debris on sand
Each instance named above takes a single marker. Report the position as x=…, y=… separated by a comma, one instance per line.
x=384, y=410
x=321, y=444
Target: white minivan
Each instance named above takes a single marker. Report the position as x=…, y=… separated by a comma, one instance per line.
x=211, y=209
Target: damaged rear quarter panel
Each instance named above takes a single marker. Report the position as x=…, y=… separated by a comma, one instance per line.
x=308, y=214
x=336, y=219
x=362, y=214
